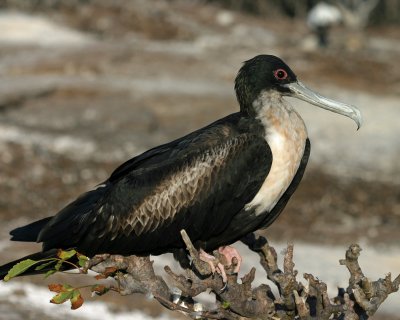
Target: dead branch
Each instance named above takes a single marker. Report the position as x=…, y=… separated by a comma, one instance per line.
x=239, y=299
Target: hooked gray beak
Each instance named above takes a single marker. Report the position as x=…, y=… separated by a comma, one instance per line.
x=300, y=91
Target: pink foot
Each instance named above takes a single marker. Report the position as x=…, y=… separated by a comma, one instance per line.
x=230, y=253
x=204, y=256
x=220, y=269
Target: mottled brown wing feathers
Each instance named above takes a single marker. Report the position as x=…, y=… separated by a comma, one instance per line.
x=179, y=188
x=183, y=191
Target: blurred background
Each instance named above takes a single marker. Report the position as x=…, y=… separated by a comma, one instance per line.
x=87, y=84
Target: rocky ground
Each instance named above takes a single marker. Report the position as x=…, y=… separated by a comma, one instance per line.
x=84, y=89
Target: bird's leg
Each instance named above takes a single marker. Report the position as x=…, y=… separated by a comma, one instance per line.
x=202, y=265
x=210, y=259
x=232, y=256
x=204, y=262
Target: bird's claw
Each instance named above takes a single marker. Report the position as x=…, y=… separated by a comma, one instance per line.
x=201, y=259
x=232, y=257
x=215, y=266
x=208, y=258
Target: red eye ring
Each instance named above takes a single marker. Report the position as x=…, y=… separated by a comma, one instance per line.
x=280, y=74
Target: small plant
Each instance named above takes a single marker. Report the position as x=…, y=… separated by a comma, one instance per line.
x=64, y=292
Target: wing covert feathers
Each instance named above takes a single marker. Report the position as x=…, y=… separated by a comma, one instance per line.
x=183, y=182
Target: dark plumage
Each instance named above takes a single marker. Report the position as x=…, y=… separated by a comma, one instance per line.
x=218, y=183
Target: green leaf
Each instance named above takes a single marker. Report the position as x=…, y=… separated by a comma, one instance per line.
x=49, y=273
x=76, y=300
x=58, y=265
x=44, y=265
x=19, y=268
x=67, y=287
x=82, y=260
x=62, y=297
x=66, y=292
x=226, y=304
x=65, y=255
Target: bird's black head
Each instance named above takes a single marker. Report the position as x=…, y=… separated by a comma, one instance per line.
x=262, y=73
x=270, y=74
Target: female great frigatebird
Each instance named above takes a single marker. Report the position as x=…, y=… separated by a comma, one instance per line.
x=219, y=183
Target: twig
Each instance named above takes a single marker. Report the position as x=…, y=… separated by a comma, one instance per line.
x=368, y=294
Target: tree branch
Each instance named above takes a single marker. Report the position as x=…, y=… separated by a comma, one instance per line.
x=239, y=299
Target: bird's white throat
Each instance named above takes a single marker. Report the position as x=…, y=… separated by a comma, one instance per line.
x=286, y=135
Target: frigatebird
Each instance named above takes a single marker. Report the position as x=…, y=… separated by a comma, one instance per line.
x=218, y=183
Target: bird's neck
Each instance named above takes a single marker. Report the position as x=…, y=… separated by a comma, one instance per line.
x=277, y=115
x=286, y=135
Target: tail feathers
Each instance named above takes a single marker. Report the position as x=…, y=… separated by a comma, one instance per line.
x=30, y=232
x=36, y=256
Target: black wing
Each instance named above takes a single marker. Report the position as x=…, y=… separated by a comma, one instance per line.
x=197, y=183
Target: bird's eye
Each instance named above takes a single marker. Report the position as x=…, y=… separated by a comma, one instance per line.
x=280, y=74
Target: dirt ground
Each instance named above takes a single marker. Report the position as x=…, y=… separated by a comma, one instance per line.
x=116, y=80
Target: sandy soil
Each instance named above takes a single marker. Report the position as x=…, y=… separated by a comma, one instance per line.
x=94, y=87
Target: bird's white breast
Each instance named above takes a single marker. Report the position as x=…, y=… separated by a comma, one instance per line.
x=286, y=135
